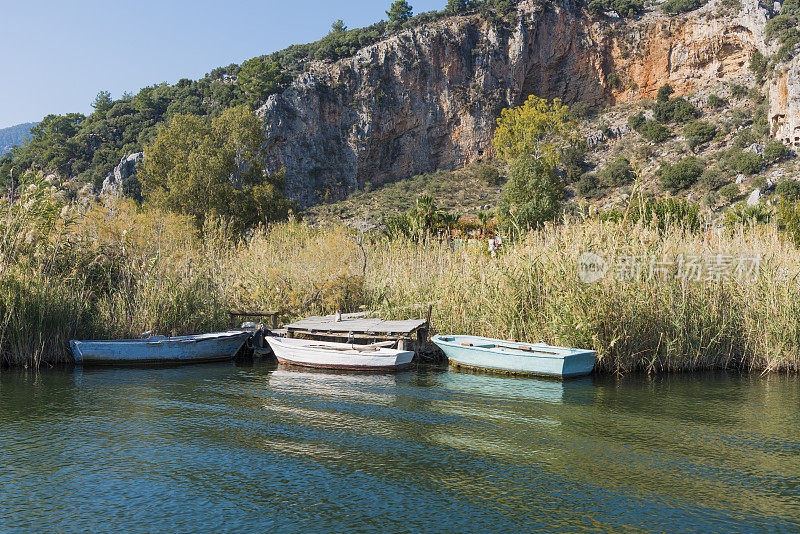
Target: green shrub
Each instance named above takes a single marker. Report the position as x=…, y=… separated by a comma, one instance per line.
x=624, y=8
x=489, y=175
x=699, y=133
x=636, y=121
x=587, y=186
x=778, y=24
x=681, y=175
x=758, y=63
x=789, y=219
x=760, y=122
x=744, y=139
x=618, y=172
x=774, y=151
x=613, y=80
x=675, y=110
x=789, y=190
x=650, y=130
x=747, y=162
x=712, y=179
x=673, y=7
x=581, y=110
x=741, y=213
x=786, y=51
x=738, y=91
x=756, y=96
x=716, y=102
x=664, y=92
x=730, y=192
x=573, y=162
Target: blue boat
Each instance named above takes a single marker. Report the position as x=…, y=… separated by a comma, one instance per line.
x=516, y=358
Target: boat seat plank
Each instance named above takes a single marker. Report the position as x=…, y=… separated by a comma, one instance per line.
x=355, y=325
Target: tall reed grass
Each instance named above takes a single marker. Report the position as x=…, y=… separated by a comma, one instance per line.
x=115, y=271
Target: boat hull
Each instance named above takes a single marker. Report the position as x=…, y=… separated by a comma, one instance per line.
x=496, y=355
x=160, y=350
x=341, y=356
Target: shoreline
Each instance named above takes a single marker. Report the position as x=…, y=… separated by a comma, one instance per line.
x=120, y=270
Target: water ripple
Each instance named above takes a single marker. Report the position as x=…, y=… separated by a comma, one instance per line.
x=260, y=448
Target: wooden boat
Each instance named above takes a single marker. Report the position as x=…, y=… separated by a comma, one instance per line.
x=330, y=355
x=518, y=358
x=160, y=349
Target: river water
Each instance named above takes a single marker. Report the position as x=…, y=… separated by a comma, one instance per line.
x=258, y=448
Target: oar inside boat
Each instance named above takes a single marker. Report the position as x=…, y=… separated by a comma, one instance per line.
x=524, y=348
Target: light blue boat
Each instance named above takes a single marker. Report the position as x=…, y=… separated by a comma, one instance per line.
x=517, y=358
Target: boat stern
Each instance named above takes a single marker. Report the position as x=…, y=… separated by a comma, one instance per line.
x=76, y=351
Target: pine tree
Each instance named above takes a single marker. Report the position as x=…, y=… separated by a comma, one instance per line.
x=400, y=11
x=457, y=7
x=338, y=26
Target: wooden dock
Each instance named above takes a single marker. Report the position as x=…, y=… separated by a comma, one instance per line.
x=355, y=326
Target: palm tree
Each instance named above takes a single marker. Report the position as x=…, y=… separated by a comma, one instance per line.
x=448, y=221
x=485, y=217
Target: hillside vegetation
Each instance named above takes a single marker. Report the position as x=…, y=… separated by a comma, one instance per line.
x=86, y=148
x=14, y=135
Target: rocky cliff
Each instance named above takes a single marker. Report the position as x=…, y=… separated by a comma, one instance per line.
x=428, y=98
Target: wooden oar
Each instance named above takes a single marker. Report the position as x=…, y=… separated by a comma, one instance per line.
x=517, y=347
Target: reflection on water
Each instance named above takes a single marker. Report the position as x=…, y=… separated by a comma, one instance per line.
x=256, y=448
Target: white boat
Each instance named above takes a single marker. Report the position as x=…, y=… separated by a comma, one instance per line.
x=329, y=355
x=159, y=349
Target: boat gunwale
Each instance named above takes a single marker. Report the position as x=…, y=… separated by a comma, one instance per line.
x=161, y=339
x=438, y=339
x=383, y=352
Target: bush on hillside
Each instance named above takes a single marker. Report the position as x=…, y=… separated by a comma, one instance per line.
x=623, y=8
x=649, y=129
x=730, y=192
x=675, y=110
x=715, y=101
x=573, y=161
x=699, y=133
x=712, y=179
x=758, y=63
x=738, y=90
x=744, y=139
x=789, y=190
x=746, y=162
x=664, y=93
x=587, y=186
x=618, y=172
x=775, y=151
x=489, y=175
x=680, y=175
x=673, y=7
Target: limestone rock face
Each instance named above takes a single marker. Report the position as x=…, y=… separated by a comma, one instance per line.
x=123, y=177
x=428, y=98
x=784, y=104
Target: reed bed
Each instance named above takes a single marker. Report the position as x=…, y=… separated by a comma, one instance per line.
x=532, y=290
x=116, y=271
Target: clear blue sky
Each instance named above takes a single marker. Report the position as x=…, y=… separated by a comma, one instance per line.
x=56, y=55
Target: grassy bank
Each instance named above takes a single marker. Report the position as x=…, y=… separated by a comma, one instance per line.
x=115, y=272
